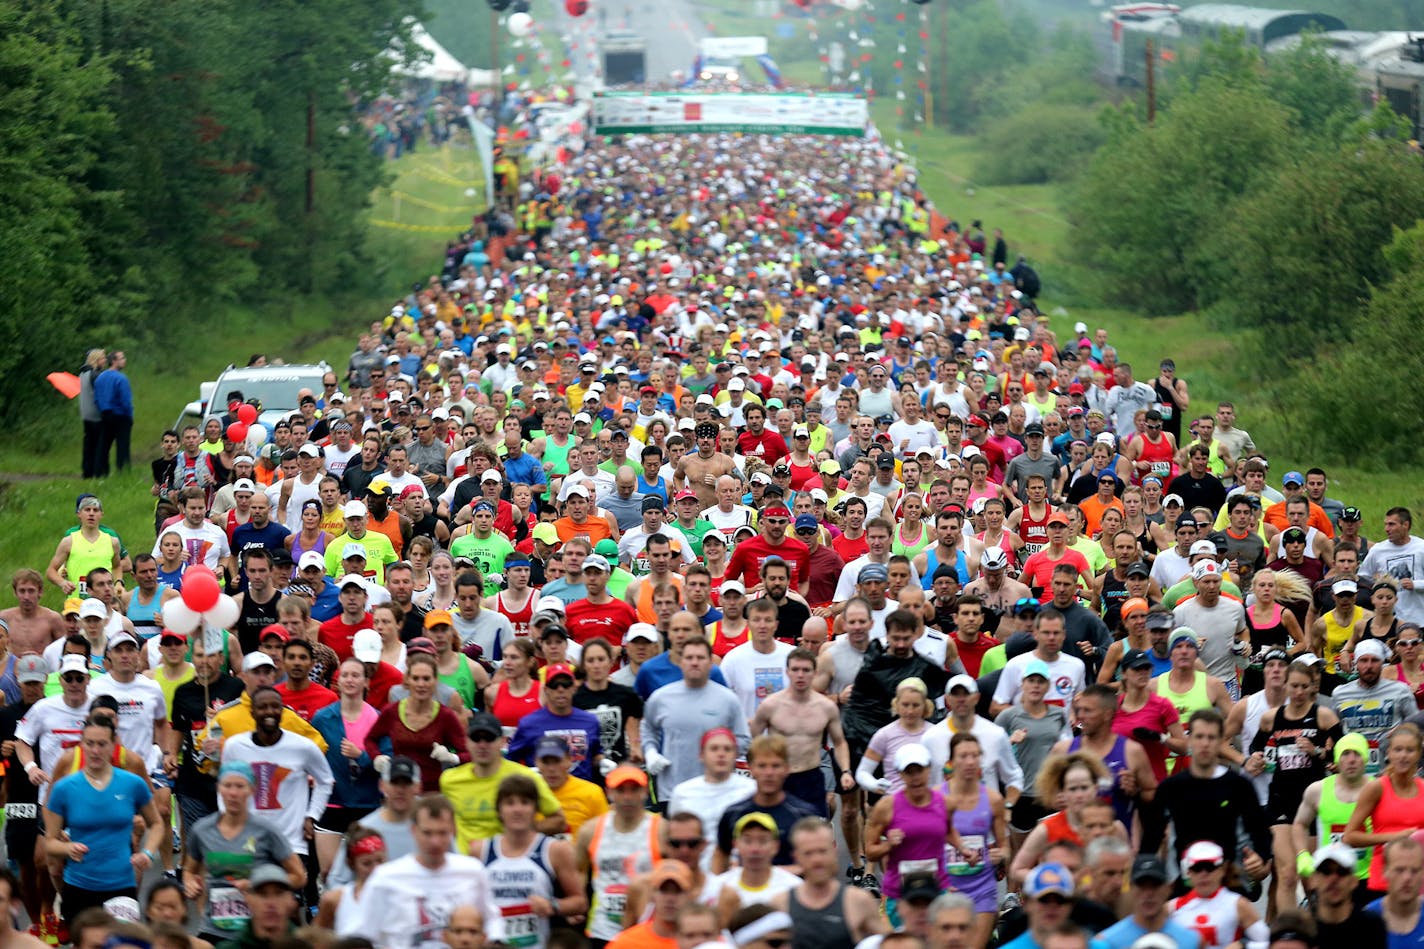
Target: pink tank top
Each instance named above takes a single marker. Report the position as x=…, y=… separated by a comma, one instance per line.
x=923, y=848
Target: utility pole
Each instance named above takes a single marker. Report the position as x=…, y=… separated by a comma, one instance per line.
x=1151, y=84
x=494, y=63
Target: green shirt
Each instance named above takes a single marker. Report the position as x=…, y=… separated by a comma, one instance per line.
x=488, y=553
x=695, y=533
x=379, y=553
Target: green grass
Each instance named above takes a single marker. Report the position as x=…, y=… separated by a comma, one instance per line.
x=39, y=482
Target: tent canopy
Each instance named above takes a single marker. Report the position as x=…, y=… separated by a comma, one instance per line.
x=439, y=66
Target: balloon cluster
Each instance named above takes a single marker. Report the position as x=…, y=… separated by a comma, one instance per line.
x=521, y=24
x=576, y=7
x=201, y=601
x=239, y=430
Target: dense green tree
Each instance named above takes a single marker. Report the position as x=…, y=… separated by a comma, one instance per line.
x=1040, y=143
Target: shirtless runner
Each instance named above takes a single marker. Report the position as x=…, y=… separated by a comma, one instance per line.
x=32, y=627
x=701, y=471
x=804, y=717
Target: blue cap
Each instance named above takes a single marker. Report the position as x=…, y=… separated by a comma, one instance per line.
x=240, y=768
x=807, y=522
x=1037, y=667
x=1292, y=477
x=1049, y=878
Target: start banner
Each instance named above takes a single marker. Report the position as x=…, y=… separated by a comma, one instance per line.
x=790, y=113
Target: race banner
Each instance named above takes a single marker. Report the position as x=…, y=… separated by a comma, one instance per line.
x=791, y=113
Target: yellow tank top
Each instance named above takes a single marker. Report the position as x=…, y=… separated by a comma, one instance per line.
x=169, y=686
x=1336, y=636
x=1187, y=702
x=86, y=555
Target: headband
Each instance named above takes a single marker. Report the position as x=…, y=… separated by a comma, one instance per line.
x=713, y=733
x=761, y=928
x=372, y=844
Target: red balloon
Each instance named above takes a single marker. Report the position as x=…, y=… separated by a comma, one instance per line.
x=247, y=413
x=200, y=589
x=576, y=7
x=236, y=432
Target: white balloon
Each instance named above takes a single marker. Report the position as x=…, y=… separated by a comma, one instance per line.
x=256, y=436
x=520, y=24
x=178, y=617
x=223, y=614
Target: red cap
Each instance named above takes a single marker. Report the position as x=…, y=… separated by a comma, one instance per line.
x=1076, y=389
x=684, y=494
x=646, y=389
x=275, y=629
x=1058, y=517
x=559, y=669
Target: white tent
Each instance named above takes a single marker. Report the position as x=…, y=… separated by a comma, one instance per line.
x=440, y=66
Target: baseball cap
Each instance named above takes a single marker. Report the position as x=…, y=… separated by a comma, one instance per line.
x=549, y=603
x=256, y=660
x=310, y=450
x=31, y=668
x=353, y=509
x=352, y=579
x=551, y=746
x=686, y=494
x=366, y=645
x=755, y=819
x=268, y=875
x=908, y=756
x=1344, y=585
x=1293, y=477
x=872, y=572
x=577, y=490
x=994, y=559
x=557, y=670
x=1139, y=568
x=438, y=618
x=1136, y=659
x=962, y=681
x=1176, y=499
x=1338, y=853
x=120, y=638
x=353, y=549
x=644, y=631
x=1037, y=667
x=1206, y=851
x=595, y=562
x=1149, y=868
x=483, y=723
x=311, y=559
x=1058, y=517
x=546, y=533
x=491, y=475
x=72, y=605
x=830, y=466
x=886, y=463
x=669, y=871
x=1201, y=547
x=919, y=887
x=732, y=586
x=275, y=629
x=244, y=484
x=1159, y=619
x=806, y=522
x=553, y=631
x=1049, y=878
x=93, y=607
x=77, y=663
x=403, y=769
x=626, y=774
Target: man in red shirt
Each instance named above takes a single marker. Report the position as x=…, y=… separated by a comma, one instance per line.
x=599, y=613
x=338, y=631
x=758, y=441
x=971, y=642
x=978, y=436
x=748, y=556
x=299, y=692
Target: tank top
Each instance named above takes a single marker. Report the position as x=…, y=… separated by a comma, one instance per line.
x=301, y=493
x=1034, y=531
x=1058, y=829
x=252, y=619
x=232, y=523
x=961, y=567
x=1391, y=815
x=1418, y=690
x=824, y=928
x=1189, y=701
x=86, y=555
x=1256, y=706
x=847, y=660
x=518, y=616
x=615, y=858
x=1160, y=456
x=975, y=827
x=144, y=616
x=1294, y=769
x=644, y=606
x=907, y=548
x=512, y=881
x=1331, y=819
x=462, y=680
x=1273, y=634
x=723, y=643
x=922, y=850
x=558, y=455
x=509, y=709
x=1114, y=596
x=169, y=686
x=1215, y=918
x=350, y=916
x=298, y=549
x=1116, y=760
x=1388, y=636
x=1337, y=634
x=1005, y=543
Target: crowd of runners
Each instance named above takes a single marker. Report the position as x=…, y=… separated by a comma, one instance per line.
x=726, y=552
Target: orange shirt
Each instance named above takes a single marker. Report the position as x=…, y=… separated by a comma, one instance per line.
x=1276, y=516
x=642, y=936
x=1093, y=509
x=595, y=529
x=390, y=527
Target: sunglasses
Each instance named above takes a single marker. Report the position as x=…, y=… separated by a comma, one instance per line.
x=74, y=677
x=483, y=737
x=685, y=843
x=1402, y=643
x=1053, y=899
x=561, y=684
x=776, y=942
x=1208, y=867
x=809, y=532
x=423, y=428
x=775, y=520
x=1331, y=869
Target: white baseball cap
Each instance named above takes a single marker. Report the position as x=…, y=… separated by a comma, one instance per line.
x=311, y=559
x=366, y=645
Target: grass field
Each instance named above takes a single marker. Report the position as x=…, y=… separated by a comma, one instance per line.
x=431, y=199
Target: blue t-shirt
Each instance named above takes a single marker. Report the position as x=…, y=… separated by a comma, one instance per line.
x=1124, y=932
x=102, y=821
x=1409, y=940
x=579, y=729
x=659, y=671
x=1025, y=940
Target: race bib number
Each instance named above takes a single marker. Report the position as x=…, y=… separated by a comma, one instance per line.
x=615, y=901
x=21, y=811
x=521, y=926
x=1165, y=409
x=957, y=862
x=226, y=907
x=741, y=767
x=906, y=867
x=1161, y=468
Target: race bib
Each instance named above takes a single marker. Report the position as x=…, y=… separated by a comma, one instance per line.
x=1165, y=410
x=957, y=863
x=521, y=926
x=906, y=867
x=21, y=811
x=1161, y=468
x=614, y=901
x=226, y=908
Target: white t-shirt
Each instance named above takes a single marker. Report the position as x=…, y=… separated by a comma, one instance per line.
x=755, y=675
x=999, y=766
x=406, y=906
x=206, y=545
x=633, y=542
x=710, y=801
x=601, y=483
x=845, y=586
x=336, y=460
x=1065, y=679
x=141, y=703
x=780, y=881
x=922, y=434
x=283, y=797
x=50, y=727
x=1170, y=567
x=1400, y=561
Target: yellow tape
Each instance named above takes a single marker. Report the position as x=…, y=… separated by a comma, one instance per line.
x=451, y=229
x=422, y=203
